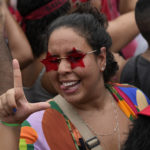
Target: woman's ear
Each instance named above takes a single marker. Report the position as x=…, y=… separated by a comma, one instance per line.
x=102, y=59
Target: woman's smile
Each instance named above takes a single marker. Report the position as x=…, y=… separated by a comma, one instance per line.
x=70, y=87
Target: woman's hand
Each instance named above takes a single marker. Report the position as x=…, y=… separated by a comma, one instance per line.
x=14, y=107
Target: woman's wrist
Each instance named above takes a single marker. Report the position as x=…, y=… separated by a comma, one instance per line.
x=10, y=124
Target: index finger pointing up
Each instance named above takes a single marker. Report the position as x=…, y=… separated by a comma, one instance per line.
x=17, y=74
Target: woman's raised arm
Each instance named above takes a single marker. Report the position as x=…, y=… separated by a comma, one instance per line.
x=14, y=109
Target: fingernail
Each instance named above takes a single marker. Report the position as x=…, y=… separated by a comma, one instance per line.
x=14, y=110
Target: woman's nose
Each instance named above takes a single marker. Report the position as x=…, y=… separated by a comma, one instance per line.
x=64, y=66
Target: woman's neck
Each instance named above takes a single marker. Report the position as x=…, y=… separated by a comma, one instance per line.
x=95, y=103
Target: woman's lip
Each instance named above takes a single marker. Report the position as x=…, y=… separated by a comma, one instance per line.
x=69, y=83
x=70, y=88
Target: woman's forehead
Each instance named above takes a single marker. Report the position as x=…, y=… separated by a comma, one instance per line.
x=63, y=32
x=66, y=39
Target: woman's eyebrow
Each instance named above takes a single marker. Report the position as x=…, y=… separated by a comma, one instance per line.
x=68, y=53
x=54, y=55
x=74, y=51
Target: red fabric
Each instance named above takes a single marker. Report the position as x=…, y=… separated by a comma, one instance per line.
x=145, y=111
x=105, y=9
x=15, y=14
x=129, y=50
x=80, y=1
x=110, y=9
x=45, y=10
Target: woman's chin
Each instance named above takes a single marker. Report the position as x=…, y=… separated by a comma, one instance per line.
x=72, y=98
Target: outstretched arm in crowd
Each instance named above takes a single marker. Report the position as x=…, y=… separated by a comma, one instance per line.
x=6, y=76
x=122, y=30
x=15, y=99
x=126, y=6
x=17, y=41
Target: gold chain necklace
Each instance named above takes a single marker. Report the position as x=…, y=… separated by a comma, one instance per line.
x=116, y=128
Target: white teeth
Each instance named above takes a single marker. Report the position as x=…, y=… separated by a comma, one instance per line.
x=69, y=83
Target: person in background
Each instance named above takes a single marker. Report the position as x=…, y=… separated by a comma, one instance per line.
x=15, y=38
x=115, y=8
x=6, y=72
x=135, y=70
x=138, y=138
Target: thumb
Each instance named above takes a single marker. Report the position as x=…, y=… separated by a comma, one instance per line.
x=34, y=107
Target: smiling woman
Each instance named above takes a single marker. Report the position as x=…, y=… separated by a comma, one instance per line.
x=79, y=65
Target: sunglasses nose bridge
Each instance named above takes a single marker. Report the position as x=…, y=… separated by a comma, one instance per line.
x=64, y=66
x=61, y=58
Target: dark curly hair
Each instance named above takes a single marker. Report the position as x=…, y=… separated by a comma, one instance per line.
x=91, y=25
x=139, y=135
x=35, y=28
